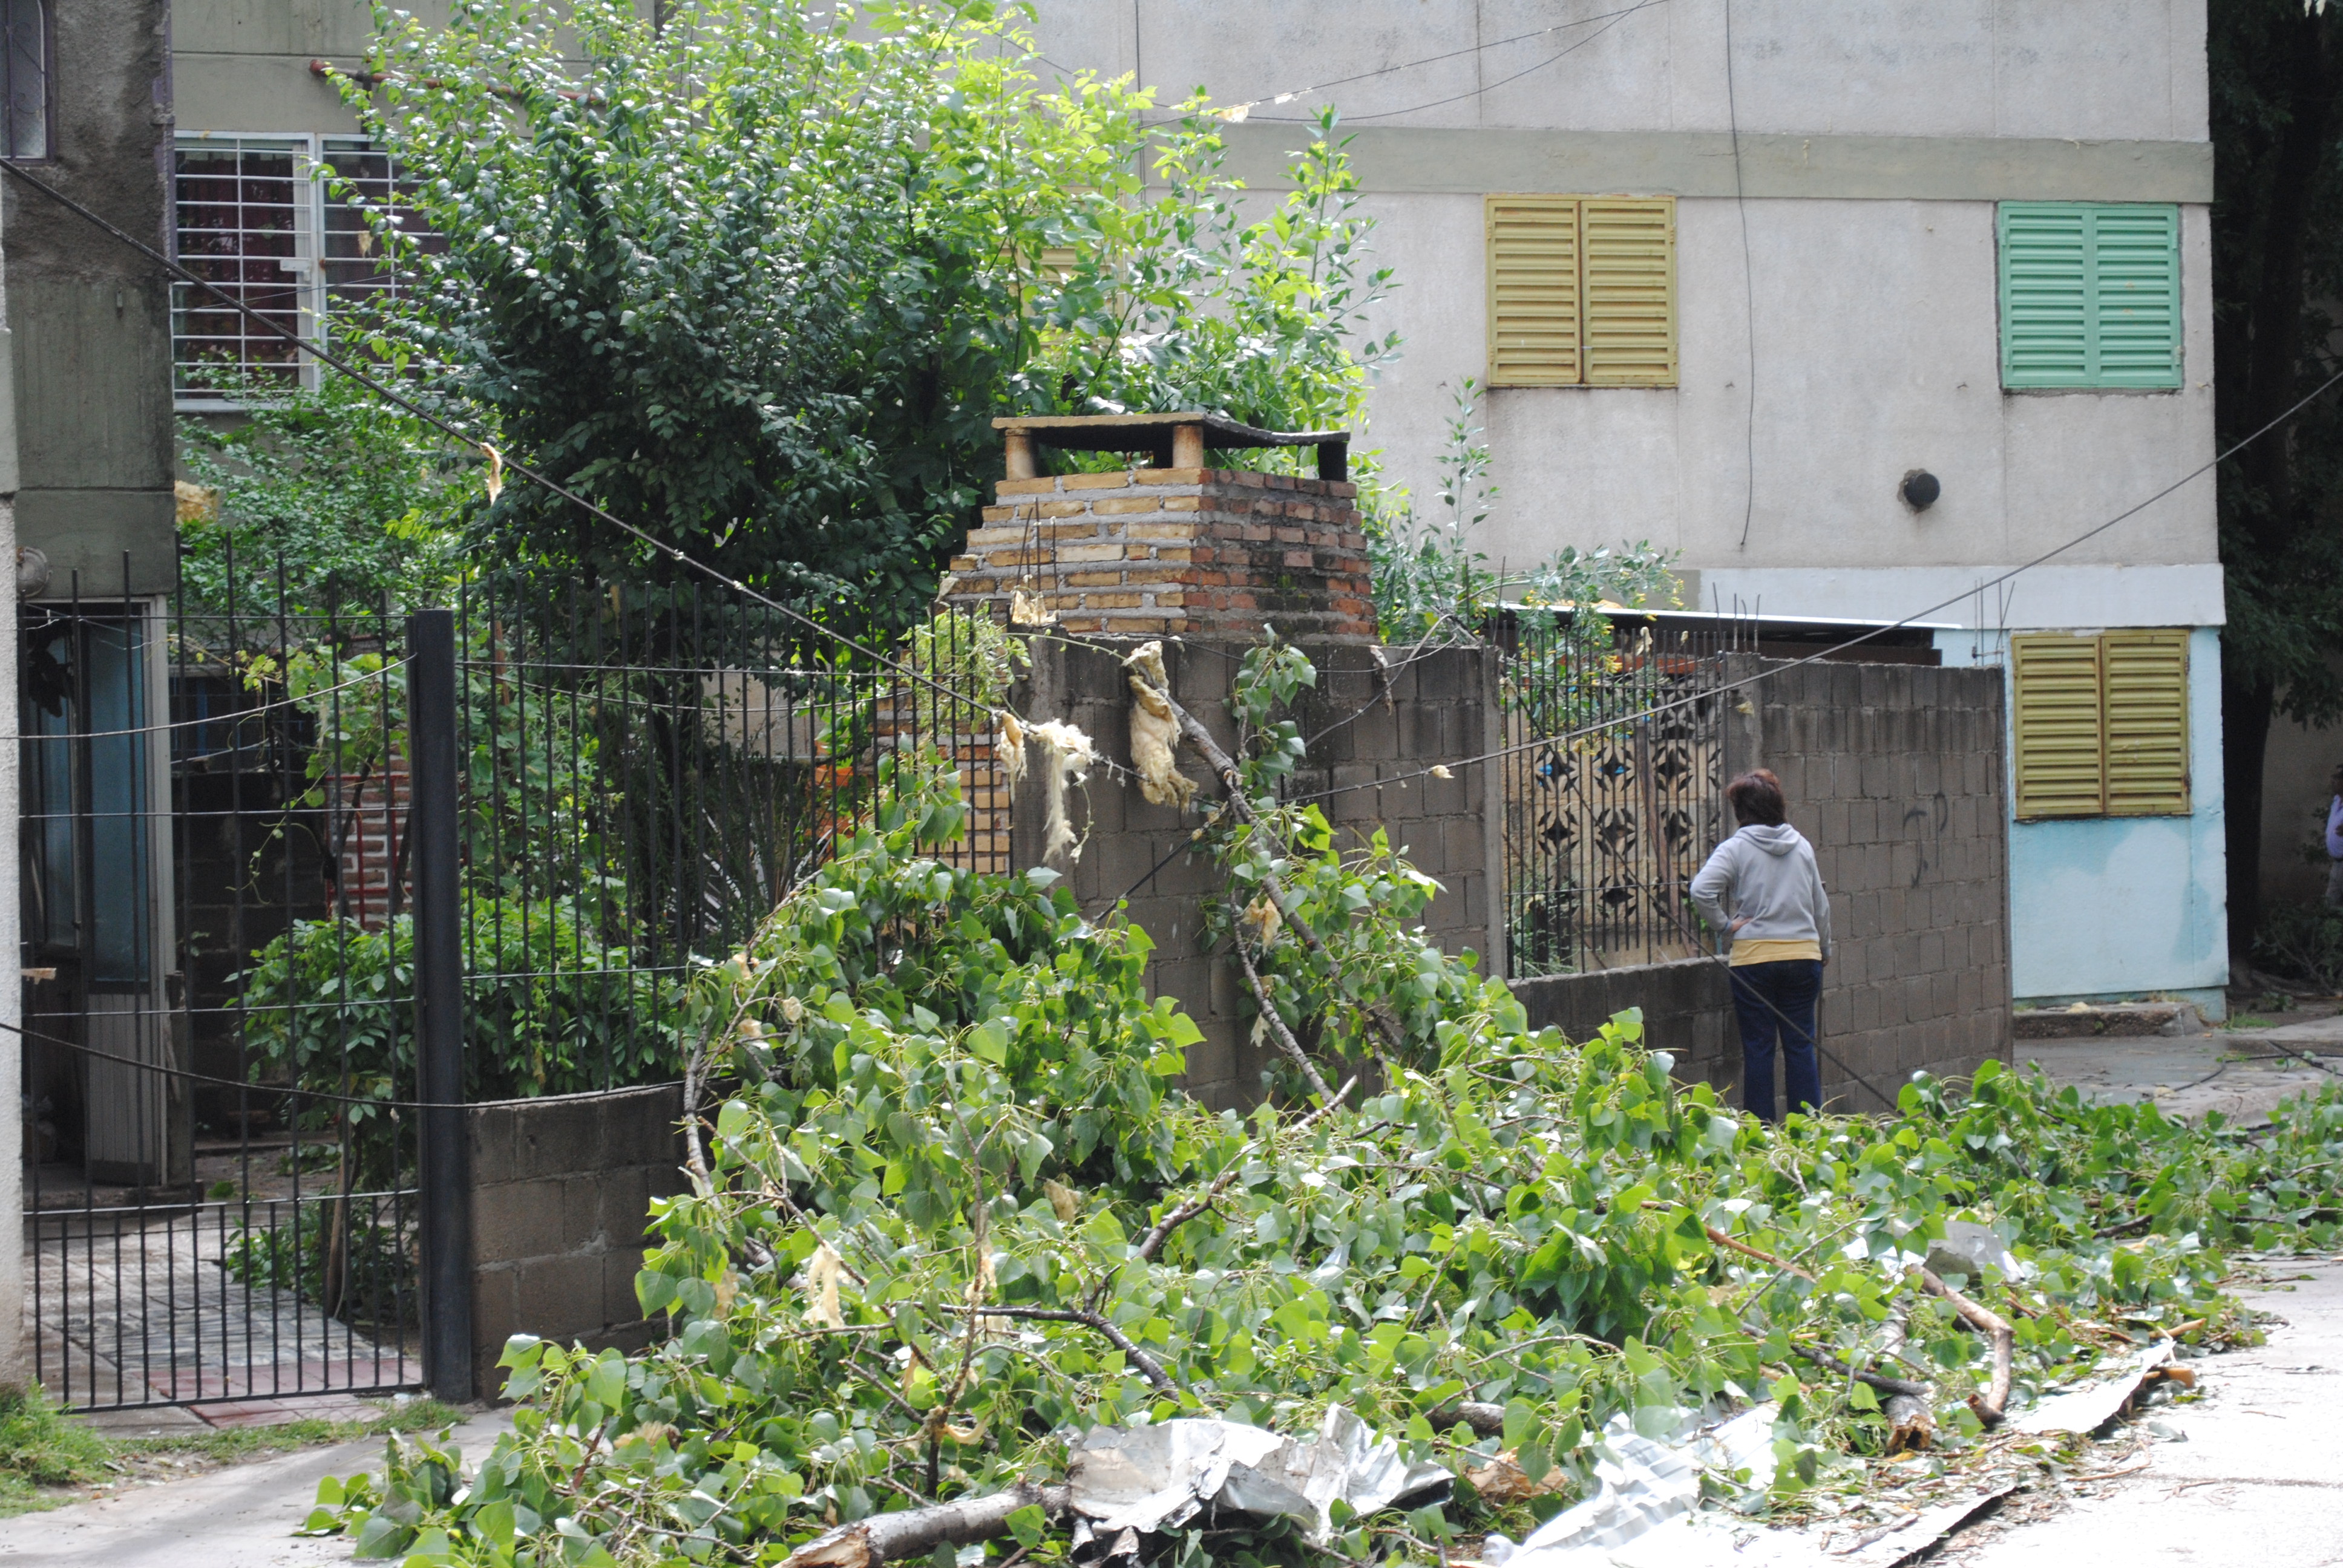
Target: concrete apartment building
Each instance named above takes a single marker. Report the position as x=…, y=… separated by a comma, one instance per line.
x=1731, y=273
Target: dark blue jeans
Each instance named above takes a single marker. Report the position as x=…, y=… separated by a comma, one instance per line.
x=1771, y=999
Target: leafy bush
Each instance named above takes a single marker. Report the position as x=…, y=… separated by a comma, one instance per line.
x=955, y=1213
x=550, y=1008
x=2304, y=940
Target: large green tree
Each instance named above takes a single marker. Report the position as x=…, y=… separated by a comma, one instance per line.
x=757, y=274
x=2277, y=276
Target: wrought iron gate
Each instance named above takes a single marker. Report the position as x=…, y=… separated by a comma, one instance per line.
x=299, y=883
x=1614, y=782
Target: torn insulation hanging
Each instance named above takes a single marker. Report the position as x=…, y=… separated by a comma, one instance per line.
x=1068, y=756
x=1011, y=752
x=1154, y=733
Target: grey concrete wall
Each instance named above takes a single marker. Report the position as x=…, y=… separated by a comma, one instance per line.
x=1687, y=1009
x=561, y=1191
x=89, y=317
x=1897, y=774
x=1438, y=709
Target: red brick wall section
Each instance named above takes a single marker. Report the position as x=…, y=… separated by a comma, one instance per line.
x=1168, y=552
x=368, y=813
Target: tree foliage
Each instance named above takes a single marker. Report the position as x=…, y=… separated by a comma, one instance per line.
x=956, y=1212
x=2276, y=71
x=756, y=277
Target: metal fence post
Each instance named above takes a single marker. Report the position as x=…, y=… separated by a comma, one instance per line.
x=446, y=1153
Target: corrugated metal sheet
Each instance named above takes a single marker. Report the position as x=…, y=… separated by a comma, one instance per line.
x=2145, y=675
x=1534, y=335
x=2060, y=754
x=1630, y=245
x=2090, y=295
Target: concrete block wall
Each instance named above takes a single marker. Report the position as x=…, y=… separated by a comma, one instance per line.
x=1437, y=708
x=1166, y=552
x=1896, y=774
x=1687, y=1008
x=561, y=1192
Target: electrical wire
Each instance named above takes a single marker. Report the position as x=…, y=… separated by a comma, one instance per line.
x=233, y=715
x=207, y=1079
x=1674, y=704
x=1748, y=292
x=1616, y=17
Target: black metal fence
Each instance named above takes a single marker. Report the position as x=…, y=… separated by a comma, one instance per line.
x=227, y=1197
x=1614, y=785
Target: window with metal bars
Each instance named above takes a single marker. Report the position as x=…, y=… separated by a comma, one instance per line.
x=2102, y=723
x=283, y=225
x=24, y=78
x=1582, y=290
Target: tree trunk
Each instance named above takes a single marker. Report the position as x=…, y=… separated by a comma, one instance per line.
x=2246, y=708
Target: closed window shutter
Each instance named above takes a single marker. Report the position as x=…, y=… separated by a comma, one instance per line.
x=2146, y=681
x=2045, y=336
x=1630, y=247
x=2060, y=761
x=2136, y=296
x=2090, y=295
x=1532, y=244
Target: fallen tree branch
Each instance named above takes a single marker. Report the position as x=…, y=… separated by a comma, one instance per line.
x=1746, y=1250
x=1194, y=731
x=1149, y=1368
x=916, y=1531
x=1284, y=1036
x=1995, y=1400
x=1487, y=1420
x=1161, y=1231
x=1884, y=1384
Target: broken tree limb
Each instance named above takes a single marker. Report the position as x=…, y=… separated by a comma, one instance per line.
x=917, y=1531
x=1487, y=1420
x=1148, y=1367
x=1910, y=1422
x=1746, y=1250
x=1284, y=1036
x=1894, y=1385
x=1995, y=1400
x=1193, y=730
x=1161, y=1231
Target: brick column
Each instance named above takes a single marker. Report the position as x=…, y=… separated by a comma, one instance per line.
x=1173, y=552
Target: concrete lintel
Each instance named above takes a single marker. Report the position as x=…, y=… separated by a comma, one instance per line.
x=1702, y=164
x=2046, y=596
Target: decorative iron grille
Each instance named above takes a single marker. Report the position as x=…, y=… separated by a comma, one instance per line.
x=1613, y=780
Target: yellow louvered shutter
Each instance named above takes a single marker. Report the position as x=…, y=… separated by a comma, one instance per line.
x=2060, y=761
x=1533, y=290
x=2146, y=681
x=1630, y=271
x=1056, y=261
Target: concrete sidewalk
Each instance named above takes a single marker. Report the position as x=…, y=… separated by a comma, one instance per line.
x=2256, y=1482
x=241, y=1517
x=2241, y=1073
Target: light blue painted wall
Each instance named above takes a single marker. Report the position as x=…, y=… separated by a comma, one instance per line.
x=2113, y=906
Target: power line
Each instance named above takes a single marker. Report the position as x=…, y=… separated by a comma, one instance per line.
x=1672, y=704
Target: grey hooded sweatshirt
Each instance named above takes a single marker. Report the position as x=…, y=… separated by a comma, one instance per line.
x=1767, y=875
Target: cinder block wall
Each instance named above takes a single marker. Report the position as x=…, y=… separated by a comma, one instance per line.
x=1163, y=552
x=1895, y=774
x=561, y=1192
x=1366, y=727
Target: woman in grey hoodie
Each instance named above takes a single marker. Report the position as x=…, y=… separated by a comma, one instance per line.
x=1763, y=891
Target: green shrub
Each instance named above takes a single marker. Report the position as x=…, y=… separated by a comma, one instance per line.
x=2304, y=940
x=38, y=1447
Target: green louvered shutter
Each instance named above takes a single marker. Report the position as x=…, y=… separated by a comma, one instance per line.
x=2060, y=759
x=2045, y=336
x=2145, y=677
x=2091, y=295
x=2136, y=296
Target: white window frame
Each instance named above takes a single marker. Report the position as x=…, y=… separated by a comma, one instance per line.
x=312, y=152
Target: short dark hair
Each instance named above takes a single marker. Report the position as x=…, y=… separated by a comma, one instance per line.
x=1757, y=797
